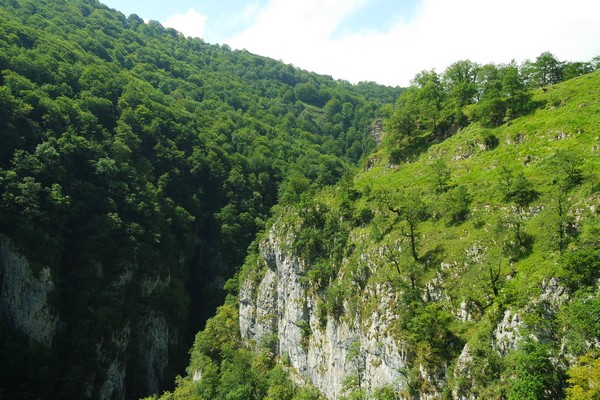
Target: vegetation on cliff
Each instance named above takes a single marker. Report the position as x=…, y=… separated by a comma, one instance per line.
x=471, y=214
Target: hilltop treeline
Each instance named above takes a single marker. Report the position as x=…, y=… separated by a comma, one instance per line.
x=436, y=105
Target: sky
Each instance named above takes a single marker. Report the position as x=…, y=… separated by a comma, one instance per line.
x=384, y=41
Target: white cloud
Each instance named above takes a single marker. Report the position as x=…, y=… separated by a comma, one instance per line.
x=440, y=33
x=296, y=32
x=191, y=23
x=243, y=17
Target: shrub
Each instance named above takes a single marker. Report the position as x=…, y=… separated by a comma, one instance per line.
x=534, y=375
x=584, y=379
x=580, y=321
x=581, y=268
x=517, y=189
x=456, y=205
x=489, y=140
x=334, y=298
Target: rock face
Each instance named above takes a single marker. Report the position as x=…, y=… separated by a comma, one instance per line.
x=155, y=338
x=24, y=296
x=279, y=310
x=509, y=332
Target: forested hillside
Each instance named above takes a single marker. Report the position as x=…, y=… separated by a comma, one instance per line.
x=136, y=166
x=461, y=261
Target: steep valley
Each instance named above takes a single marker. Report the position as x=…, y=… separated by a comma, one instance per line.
x=306, y=237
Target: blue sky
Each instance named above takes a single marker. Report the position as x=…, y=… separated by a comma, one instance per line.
x=387, y=41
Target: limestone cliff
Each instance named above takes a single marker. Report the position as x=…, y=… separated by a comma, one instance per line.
x=25, y=296
x=279, y=307
x=361, y=347
x=30, y=306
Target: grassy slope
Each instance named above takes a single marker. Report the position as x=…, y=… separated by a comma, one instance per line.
x=569, y=120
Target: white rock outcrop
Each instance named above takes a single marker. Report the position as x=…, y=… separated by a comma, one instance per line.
x=24, y=295
x=26, y=305
x=278, y=308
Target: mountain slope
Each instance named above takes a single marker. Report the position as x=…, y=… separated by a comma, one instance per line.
x=136, y=166
x=467, y=270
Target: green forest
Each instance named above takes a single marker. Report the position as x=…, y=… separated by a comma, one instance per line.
x=129, y=150
x=141, y=170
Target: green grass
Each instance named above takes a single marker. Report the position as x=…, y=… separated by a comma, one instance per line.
x=568, y=119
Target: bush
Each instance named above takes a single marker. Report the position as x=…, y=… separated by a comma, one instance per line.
x=456, y=205
x=489, y=140
x=584, y=379
x=440, y=175
x=515, y=242
x=567, y=167
x=306, y=331
x=581, y=268
x=580, y=322
x=517, y=189
x=321, y=274
x=385, y=393
x=431, y=325
x=363, y=216
x=334, y=298
x=534, y=375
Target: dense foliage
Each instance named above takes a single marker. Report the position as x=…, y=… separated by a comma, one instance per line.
x=131, y=154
